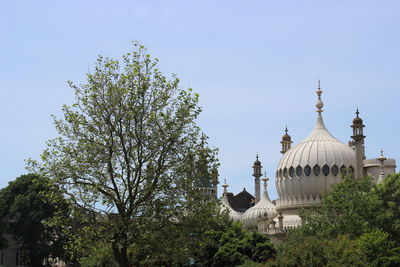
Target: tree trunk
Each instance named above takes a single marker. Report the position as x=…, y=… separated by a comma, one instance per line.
x=120, y=255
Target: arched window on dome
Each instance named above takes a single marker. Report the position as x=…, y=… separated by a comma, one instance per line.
x=335, y=170
x=285, y=172
x=307, y=170
x=325, y=170
x=291, y=172
x=343, y=171
x=316, y=170
x=299, y=171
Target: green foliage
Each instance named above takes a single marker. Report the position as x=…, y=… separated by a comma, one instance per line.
x=312, y=251
x=175, y=244
x=378, y=249
x=356, y=225
x=99, y=256
x=389, y=193
x=232, y=247
x=26, y=205
x=349, y=209
x=250, y=263
x=128, y=151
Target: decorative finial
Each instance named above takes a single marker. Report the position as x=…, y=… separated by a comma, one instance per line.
x=319, y=104
x=225, y=186
x=382, y=167
x=257, y=156
x=286, y=130
x=265, y=180
x=382, y=158
x=357, y=112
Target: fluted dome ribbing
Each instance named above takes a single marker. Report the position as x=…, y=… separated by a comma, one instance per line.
x=263, y=210
x=225, y=206
x=312, y=167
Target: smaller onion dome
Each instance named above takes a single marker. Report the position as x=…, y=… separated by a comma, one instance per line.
x=357, y=119
x=263, y=210
x=257, y=162
x=286, y=137
x=226, y=207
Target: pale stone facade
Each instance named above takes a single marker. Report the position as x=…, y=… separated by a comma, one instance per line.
x=309, y=169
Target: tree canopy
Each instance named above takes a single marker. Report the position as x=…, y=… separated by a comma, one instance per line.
x=26, y=205
x=356, y=225
x=129, y=149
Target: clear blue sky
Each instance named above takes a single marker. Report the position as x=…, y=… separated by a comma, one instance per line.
x=255, y=65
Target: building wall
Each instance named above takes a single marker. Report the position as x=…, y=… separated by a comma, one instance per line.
x=11, y=256
x=372, y=167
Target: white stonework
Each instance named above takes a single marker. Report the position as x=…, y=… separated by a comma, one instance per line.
x=300, y=178
x=308, y=170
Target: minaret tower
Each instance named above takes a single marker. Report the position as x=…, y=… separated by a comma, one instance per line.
x=286, y=142
x=358, y=138
x=257, y=174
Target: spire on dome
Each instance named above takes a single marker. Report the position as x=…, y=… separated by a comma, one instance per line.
x=225, y=186
x=265, y=180
x=257, y=162
x=357, y=120
x=319, y=104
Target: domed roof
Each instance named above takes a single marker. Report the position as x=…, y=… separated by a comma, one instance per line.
x=286, y=137
x=263, y=210
x=225, y=206
x=289, y=221
x=312, y=166
x=320, y=147
x=257, y=162
x=357, y=120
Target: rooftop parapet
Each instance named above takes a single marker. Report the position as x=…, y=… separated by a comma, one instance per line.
x=375, y=162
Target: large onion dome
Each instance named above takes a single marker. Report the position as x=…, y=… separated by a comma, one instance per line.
x=312, y=167
x=263, y=210
x=226, y=207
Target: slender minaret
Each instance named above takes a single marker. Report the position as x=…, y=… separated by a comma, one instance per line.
x=257, y=174
x=225, y=186
x=358, y=138
x=382, y=166
x=286, y=142
x=214, y=180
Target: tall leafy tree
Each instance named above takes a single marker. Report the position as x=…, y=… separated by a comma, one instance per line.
x=389, y=193
x=26, y=205
x=125, y=148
